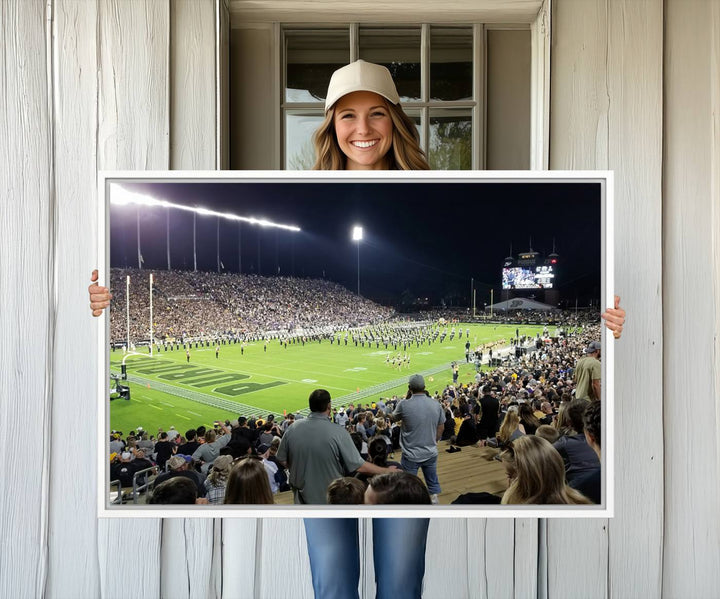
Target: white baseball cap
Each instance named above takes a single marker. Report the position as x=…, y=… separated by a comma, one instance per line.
x=361, y=76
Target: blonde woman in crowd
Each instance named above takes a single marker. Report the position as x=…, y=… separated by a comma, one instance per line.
x=536, y=474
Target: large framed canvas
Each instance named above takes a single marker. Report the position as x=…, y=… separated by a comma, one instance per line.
x=343, y=344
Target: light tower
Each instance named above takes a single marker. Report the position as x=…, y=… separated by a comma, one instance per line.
x=357, y=235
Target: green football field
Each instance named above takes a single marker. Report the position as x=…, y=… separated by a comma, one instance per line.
x=167, y=390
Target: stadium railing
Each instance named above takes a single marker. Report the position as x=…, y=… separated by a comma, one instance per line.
x=149, y=483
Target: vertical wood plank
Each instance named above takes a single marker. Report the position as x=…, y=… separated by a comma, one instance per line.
x=128, y=554
x=635, y=90
x=282, y=566
x=607, y=113
x=576, y=550
x=447, y=557
x=187, y=555
x=490, y=555
x=73, y=561
x=526, y=548
x=132, y=134
x=27, y=316
x=692, y=317
x=190, y=566
x=239, y=557
x=133, y=100
x=193, y=85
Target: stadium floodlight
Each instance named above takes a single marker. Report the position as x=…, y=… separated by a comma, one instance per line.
x=357, y=235
x=123, y=197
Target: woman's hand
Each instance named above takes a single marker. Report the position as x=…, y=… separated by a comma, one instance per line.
x=614, y=318
x=99, y=296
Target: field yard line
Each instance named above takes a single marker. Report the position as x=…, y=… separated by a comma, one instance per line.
x=181, y=416
x=152, y=406
x=195, y=414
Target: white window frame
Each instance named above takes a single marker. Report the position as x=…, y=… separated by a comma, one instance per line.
x=476, y=106
x=539, y=87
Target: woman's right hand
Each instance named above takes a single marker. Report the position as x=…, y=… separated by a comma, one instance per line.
x=99, y=296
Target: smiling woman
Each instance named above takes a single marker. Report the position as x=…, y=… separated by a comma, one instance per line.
x=365, y=127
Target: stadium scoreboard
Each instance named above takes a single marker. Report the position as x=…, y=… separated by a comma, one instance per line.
x=529, y=271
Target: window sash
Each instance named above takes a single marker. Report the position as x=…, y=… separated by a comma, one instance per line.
x=414, y=108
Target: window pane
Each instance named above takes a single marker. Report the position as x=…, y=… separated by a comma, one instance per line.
x=450, y=139
x=414, y=115
x=311, y=58
x=399, y=51
x=451, y=56
x=299, y=150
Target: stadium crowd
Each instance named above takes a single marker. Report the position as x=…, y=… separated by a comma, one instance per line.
x=210, y=305
x=540, y=409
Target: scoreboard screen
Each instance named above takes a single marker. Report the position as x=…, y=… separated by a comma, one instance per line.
x=539, y=277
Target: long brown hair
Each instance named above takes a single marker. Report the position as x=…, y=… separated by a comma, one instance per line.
x=248, y=483
x=509, y=424
x=404, y=155
x=537, y=474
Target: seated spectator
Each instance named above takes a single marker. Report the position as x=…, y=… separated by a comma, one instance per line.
x=272, y=467
x=547, y=413
x=141, y=463
x=589, y=483
x=176, y=491
x=191, y=443
x=244, y=431
x=239, y=447
x=547, y=432
x=536, y=474
x=269, y=431
x=117, y=445
x=280, y=476
x=248, y=483
x=146, y=445
x=346, y=491
x=527, y=418
x=216, y=481
x=397, y=488
x=449, y=430
x=360, y=427
x=178, y=466
x=208, y=451
x=510, y=429
x=163, y=450
x=290, y=418
x=378, y=454
x=468, y=434
x=578, y=456
x=123, y=470
x=382, y=430
x=360, y=444
x=457, y=419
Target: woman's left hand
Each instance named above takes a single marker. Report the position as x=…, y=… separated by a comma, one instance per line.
x=614, y=318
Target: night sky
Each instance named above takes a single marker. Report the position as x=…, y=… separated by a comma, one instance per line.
x=428, y=239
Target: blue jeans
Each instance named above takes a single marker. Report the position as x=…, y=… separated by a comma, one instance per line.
x=398, y=553
x=429, y=470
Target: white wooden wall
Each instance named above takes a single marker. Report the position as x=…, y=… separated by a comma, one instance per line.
x=120, y=84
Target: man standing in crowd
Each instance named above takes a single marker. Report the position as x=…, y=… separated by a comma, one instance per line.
x=317, y=451
x=489, y=409
x=422, y=425
x=587, y=373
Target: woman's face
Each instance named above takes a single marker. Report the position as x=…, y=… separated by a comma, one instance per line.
x=364, y=130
